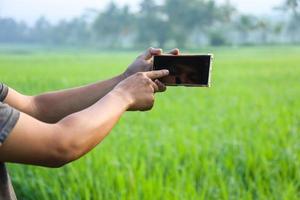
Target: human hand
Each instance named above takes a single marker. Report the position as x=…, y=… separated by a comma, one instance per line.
x=139, y=89
x=144, y=62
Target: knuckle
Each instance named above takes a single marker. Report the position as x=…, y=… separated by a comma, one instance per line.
x=144, y=82
x=139, y=74
x=148, y=81
x=151, y=88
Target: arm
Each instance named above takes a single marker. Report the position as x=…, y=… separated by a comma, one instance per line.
x=54, y=145
x=52, y=107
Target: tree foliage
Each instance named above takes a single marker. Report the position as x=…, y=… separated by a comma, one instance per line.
x=168, y=23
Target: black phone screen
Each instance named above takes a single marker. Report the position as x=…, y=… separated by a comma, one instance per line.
x=184, y=69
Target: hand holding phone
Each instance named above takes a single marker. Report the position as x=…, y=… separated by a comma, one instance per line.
x=185, y=70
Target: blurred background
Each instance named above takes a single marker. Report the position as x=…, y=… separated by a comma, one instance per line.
x=238, y=139
x=141, y=23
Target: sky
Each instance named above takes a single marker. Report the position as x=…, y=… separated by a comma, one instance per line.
x=54, y=10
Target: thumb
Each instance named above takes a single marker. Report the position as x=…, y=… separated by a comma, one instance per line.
x=150, y=52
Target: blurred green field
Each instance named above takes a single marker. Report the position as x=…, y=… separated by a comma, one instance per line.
x=238, y=139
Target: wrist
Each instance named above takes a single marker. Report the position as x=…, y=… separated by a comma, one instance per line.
x=122, y=76
x=128, y=72
x=123, y=96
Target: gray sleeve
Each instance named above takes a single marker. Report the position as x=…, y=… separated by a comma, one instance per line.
x=8, y=115
x=3, y=92
x=8, y=119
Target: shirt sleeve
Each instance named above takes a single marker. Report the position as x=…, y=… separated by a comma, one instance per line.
x=3, y=92
x=8, y=115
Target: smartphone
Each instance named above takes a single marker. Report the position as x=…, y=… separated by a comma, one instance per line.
x=185, y=70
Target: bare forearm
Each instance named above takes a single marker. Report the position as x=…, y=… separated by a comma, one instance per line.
x=52, y=107
x=54, y=145
x=85, y=129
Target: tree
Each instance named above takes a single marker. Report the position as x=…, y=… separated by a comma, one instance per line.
x=264, y=26
x=187, y=16
x=292, y=5
x=12, y=31
x=113, y=24
x=293, y=27
x=152, y=25
x=294, y=23
x=244, y=25
x=73, y=32
x=42, y=31
x=226, y=12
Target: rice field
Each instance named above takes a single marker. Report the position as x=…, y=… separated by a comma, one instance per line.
x=239, y=139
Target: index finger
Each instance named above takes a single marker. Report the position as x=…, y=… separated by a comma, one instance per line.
x=157, y=74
